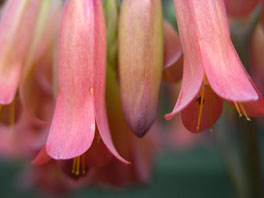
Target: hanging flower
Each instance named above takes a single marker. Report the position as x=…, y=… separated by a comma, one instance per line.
x=80, y=107
x=212, y=68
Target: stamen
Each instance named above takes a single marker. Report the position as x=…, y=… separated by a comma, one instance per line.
x=83, y=164
x=238, y=110
x=74, y=165
x=201, y=108
x=77, y=166
x=78, y=163
x=244, y=112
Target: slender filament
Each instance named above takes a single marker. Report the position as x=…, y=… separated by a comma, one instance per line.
x=74, y=165
x=201, y=108
x=238, y=110
x=77, y=172
x=83, y=164
x=79, y=164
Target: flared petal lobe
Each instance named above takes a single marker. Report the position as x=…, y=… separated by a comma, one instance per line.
x=172, y=45
x=193, y=72
x=191, y=84
x=42, y=157
x=73, y=125
x=99, y=64
x=140, y=42
x=218, y=57
x=222, y=65
x=16, y=30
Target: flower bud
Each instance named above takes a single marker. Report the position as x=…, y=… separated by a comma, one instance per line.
x=140, y=50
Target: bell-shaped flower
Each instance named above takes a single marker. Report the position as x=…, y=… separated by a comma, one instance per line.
x=140, y=53
x=80, y=107
x=17, y=25
x=212, y=69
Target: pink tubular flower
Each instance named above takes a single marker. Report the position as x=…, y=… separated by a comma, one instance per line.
x=212, y=68
x=16, y=30
x=97, y=165
x=80, y=104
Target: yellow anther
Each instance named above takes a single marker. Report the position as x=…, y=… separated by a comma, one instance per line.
x=83, y=164
x=238, y=110
x=201, y=108
x=91, y=90
x=244, y=111
x=74, y=165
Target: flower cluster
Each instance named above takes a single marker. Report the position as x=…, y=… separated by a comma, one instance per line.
x=80, y=83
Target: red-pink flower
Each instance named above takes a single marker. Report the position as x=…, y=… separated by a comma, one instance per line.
x=212, y=68
x=80, y=104
x=16, y=31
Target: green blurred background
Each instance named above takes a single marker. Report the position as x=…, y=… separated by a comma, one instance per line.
x=197, y=173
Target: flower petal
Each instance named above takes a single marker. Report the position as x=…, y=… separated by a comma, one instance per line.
x=222, y=65
x=191, y=84
x=42, y=157
x=255, y=108
x=172, y=45
x=16, y=30
x=173, y=57
x=99, y=77
x=73, y=126
x=193, y=68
